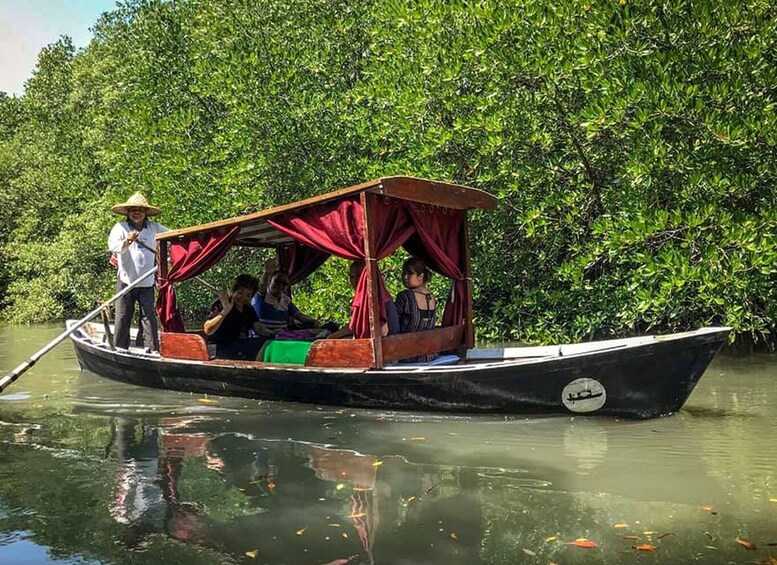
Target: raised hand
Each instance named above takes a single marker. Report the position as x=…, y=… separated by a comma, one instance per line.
x=226, y=302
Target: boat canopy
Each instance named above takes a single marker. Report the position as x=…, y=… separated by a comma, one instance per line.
x=365, y=222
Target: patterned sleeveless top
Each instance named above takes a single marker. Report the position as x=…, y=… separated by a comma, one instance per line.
x=413, y=318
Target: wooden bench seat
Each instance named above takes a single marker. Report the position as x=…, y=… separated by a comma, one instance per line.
x=190, y=346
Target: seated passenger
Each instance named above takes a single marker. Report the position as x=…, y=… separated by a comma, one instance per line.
x=389, y=327
x=416, y=305
x=231, y=320
x=274, y=308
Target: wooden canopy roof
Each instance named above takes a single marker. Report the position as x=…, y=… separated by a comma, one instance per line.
x=256, y=232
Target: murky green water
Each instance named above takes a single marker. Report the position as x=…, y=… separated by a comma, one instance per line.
x=93, y=471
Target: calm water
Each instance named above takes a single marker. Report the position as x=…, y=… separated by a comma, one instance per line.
x=92, y=471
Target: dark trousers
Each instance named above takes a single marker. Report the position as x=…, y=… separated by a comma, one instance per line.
x=125, y=308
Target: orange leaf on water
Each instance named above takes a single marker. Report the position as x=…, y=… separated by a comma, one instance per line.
x=620, y=526
x=271, y=485
x=302, y=531
x=358, y=515
x=644, y=547
x=454, y=536
x=252, y=554
x=584, y=543
x=707, y=508
x=749, y=546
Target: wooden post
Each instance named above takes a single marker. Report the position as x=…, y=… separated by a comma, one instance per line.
x=373, y=297
x=163, y=267
x=469, y=329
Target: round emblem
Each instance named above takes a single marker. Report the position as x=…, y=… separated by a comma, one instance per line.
x=584, y=395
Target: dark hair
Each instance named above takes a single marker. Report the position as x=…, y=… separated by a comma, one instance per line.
x=417, y=267
x=245, y=280
x=278, y=273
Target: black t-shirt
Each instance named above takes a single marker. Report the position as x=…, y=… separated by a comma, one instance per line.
x=234, y=326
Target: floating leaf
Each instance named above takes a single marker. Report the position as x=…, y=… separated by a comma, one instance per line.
x=528, y=551
x=454, y=536
x=710, y=547
x=302, y=531
x=644, y=547
x=341, y=486
x=749, y=546
x=631, y=537
x=773, y=500
x=271, y=485
x=550, y=539
x=207, y=401
x=334, y=525
x=358, y=515
x=584, y=543
x=377, y=463
x=707, y=508
x=619, y=526
x=252, y=554
x=345, y=535
x=419, y=438
x=649, y=533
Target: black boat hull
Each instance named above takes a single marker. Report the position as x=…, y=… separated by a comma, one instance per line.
x=644, y=381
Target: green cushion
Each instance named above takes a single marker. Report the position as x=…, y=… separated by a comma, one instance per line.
x=286, y=351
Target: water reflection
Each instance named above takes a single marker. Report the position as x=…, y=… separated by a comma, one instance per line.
x=290, y=501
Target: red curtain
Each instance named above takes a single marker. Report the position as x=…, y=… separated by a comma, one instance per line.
x=299, y=261
x=439, y=241
x=188, y=258
x=337, y=228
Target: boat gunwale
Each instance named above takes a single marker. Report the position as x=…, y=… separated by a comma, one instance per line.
x=463, y=366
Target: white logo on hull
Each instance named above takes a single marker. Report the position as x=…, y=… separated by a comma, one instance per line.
x=584, y=395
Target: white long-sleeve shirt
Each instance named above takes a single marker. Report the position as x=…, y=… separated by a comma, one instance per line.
x=134, y=260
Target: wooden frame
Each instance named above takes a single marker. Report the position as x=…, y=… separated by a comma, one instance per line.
x=375, y=351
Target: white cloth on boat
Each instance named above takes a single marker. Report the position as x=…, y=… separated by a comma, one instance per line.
x=135, y=259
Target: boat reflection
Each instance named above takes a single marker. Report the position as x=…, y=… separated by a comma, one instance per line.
x=291, y=502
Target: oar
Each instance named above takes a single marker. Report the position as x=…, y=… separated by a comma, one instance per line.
x=207, y=285
x=18, y=371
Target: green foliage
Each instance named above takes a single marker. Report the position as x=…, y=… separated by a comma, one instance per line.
x=632, y=146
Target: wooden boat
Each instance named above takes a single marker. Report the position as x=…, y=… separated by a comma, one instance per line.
x=640, y=377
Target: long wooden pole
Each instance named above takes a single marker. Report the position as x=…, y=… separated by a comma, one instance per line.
x=21, y=369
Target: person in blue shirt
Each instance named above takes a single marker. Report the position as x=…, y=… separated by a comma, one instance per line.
x=275, y=309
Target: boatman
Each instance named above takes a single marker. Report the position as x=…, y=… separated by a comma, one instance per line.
x=133, y=243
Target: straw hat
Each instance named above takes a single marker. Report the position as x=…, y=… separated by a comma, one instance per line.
x=137, y=200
